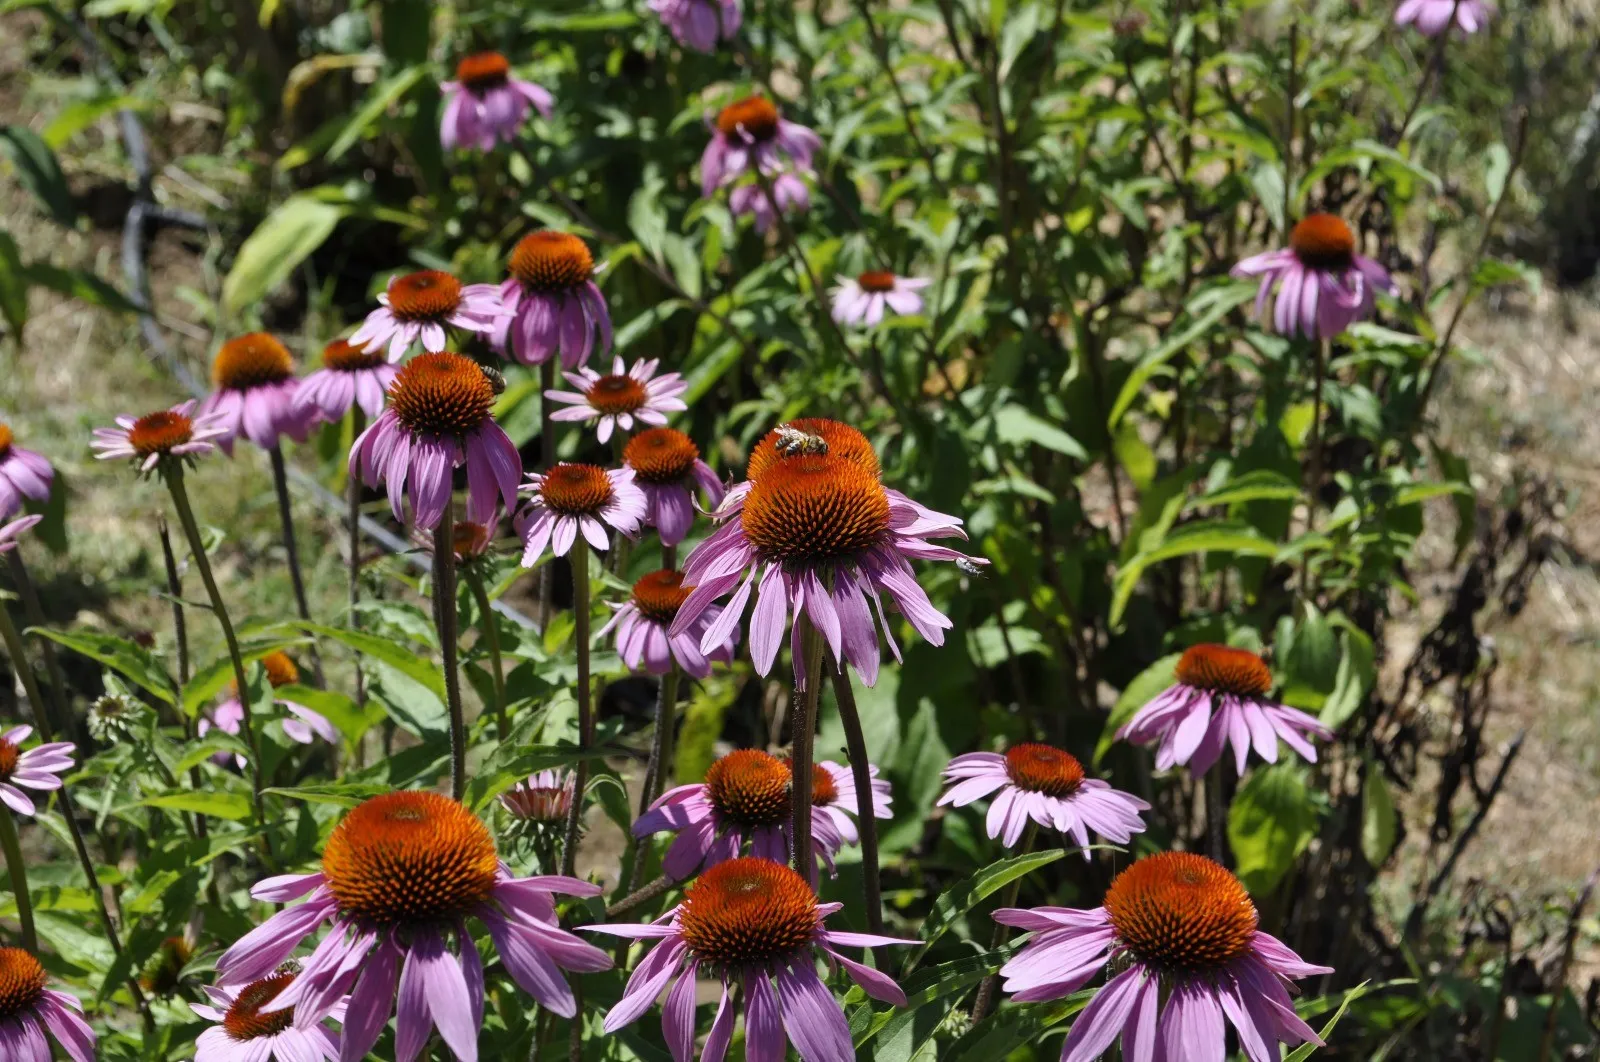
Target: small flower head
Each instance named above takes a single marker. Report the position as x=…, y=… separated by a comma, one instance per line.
x=303, y=725
x=23, y=474
x=255, y=392
x=863, y=299
x=39, y=768
x=166, y=435
x=789, y=193
x=163, y=974
x=350, y=376
x=485, y=105
x=439, y=418
x=117, y=715
x=1045, y=784
x=697, y=24
x=667, y=466
x=1179, y=933
x=420, y=306
x=1222, y=696
x=546, y=797
x=750, y=133
x=573, y=498
x=555, y=307
x=248, y=1030
x=1433, y=17
x=1323, y=286
x=32, y=1013
x=642, y=623
x=620, y=397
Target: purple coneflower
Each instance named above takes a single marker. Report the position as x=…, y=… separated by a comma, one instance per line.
x=553, y=303
x=1433, y=17
x=255, y=393
x=439, y=419
x=641, y=624
x=243, y=1033
x=350, y=376
x=790, y=191
x=816, y=524
x=574, y=498
x=697, y=24
x=174, y=432
x=863, y=299
x=304, y=725
x=421, y=306
x=667, y=466
x=38, y=768
x=29, y=1010
x=400, y=873
x=750, y=922
x=748, y=133
x=23, y=474
x=1181, y=933
x=620, y=397
x=10, y=532
x=745, y=797
x=1047, y=785
x=485, y=104
x=545, y=797
x=1221, y=696
x=1323, y=285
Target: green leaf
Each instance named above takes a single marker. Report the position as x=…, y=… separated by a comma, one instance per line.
x=342, y=794
x=1496, y=168
x=1019, y=427
x=936, y=984
x=1304, y=1051
x=1270, y=823
x=13, y=286
x=214, y=802
x=1313, y=658
x=1144, y=688
x=1378, y=819
x=1356, y=676
x=77, y=284
x=383, y=95
x=211, y=679
x=1001, y=1033
x=1261, y=484
x=1157, y=356
x=400, y=657
x=1211, y=536
x=351, y=719
x=80, y=114
x=38, y=171
x=496, y=778
x=962, y=897
x=79, y=946
x=284, y=239
x=132, y=662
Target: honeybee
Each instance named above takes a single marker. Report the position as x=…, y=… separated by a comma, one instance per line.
x=793, y=442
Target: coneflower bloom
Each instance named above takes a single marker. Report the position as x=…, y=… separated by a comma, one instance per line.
x=163, y=974
x=748, y=133
x=822, y=533
x=420, y=306
x=1323, y=286
x=10, y=532
x=23, y=474
x=304, y=725
x=1220, y=697
x=350, y=376
x=1181, y=933
x=788, y=190
x=244, y=1033
x=439, y=419
x=641, y=624
x=863, y=299
x=545, y=797
x=574, y=498
x=401, y=874
x=1047, y=785
x=667, y=466
x=485, y=104
x=166, y=433
x=29, y=1010
x=553, y=303
x=750, y=922
x=38, y=768
x=255, y=392
x=621, y=396
x=1433, y=17
x=697, y=24
x=745, y=797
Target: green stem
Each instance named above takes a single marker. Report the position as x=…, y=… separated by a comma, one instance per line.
x=547, y=458
x=173, y=474
x=353, y=529
x=18, y=869
x=34, y=614
x=491, y=637
x=580, y=615
x=280, y=484
x=866, y=823
x=803, y=727
x=984, y=1003
x=444, y=612
x=1319, y=362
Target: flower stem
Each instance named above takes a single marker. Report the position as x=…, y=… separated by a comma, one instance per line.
x=18, y=869
x=180, y=635
x=353, y=529
x=173, y=474
x=803, y=726
x=547, y=458
x=866, y=823
x=659, y=772
x=1216, y=814
x=280, y=483
x=444, y=613
x=984, y=1003
x=1319, y=366
x=491, y=638
x=580, y=615
x=52, y=667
